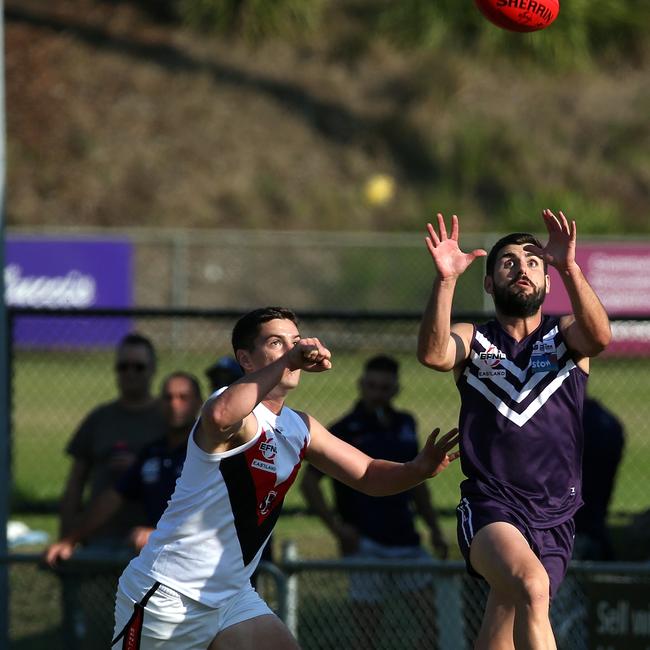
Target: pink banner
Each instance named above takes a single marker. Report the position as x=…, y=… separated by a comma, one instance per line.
x=620, y=275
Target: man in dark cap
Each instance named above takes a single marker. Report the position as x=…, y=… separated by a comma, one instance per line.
x=223, y=372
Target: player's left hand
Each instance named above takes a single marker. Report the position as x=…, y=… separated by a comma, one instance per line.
x=437, y=454
x=560, y=250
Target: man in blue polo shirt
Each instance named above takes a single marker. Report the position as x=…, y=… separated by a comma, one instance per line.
x=151, y=479
x=377, y=527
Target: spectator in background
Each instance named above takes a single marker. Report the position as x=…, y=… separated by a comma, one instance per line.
x=151, y=479
x=111, y=436
x=223, y=372
x=603, y=449
x=378, y=528
x=104, y=445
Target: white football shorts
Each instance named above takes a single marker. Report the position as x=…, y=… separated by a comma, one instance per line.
x=158, y=617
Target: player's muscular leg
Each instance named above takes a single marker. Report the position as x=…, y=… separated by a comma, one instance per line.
x=267, y=632
x=518, y=584
x=497, y=627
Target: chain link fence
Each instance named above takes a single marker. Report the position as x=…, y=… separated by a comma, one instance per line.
x=72, y=608
x=307, y=270
x=62, y=367
x=436, y=605
x=416, y=605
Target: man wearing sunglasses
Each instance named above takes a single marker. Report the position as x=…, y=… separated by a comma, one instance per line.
x=109, y=438
x=151, y=479
x=105, y=444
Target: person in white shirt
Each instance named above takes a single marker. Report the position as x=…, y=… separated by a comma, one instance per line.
x=189, y=589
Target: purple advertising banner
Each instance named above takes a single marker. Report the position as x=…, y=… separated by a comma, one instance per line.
x=55, y=273
x=620, y=275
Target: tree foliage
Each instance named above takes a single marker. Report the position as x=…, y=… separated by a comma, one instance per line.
x=251, y=19
x=583, y=31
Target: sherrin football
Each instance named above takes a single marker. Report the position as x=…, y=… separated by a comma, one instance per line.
x=520, y=15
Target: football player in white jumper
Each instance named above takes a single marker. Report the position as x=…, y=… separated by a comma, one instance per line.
x=189, y=589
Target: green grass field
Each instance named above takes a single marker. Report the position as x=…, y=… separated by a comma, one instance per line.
x=53, y=392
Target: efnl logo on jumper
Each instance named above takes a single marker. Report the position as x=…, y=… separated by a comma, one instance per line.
x=491, y=363
x=268, y=451
x=544, y=357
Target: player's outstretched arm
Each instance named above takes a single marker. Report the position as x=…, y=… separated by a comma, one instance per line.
x=440, y=346
x=373, y=476
x=587, y=329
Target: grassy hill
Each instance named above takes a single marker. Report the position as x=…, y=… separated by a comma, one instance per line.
x=116, y=118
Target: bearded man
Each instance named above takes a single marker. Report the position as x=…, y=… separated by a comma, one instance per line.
x=521, y=379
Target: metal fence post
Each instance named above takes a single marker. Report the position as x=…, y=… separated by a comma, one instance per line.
x=280, y=581
x=5, y=471
x=289, y=555
x=448, y=599
x=179, y=282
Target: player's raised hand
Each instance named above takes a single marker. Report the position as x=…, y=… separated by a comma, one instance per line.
x=437, y=454
x=450, y=261
x=560, y=250
x=310, y=355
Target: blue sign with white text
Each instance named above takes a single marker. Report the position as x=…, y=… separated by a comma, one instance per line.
x=54, y=273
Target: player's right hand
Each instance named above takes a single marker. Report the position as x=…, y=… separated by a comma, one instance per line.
x=61, y=550
x=310, y=355
x=450, y=261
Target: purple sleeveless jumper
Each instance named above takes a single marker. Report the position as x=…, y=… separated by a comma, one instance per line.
x=521, y=423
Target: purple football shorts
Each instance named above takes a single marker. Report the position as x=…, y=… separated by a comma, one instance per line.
x=553, y=546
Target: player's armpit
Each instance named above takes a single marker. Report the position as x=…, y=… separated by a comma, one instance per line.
x=214, y=440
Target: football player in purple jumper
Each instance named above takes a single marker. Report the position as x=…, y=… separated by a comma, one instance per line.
x=521, y=378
